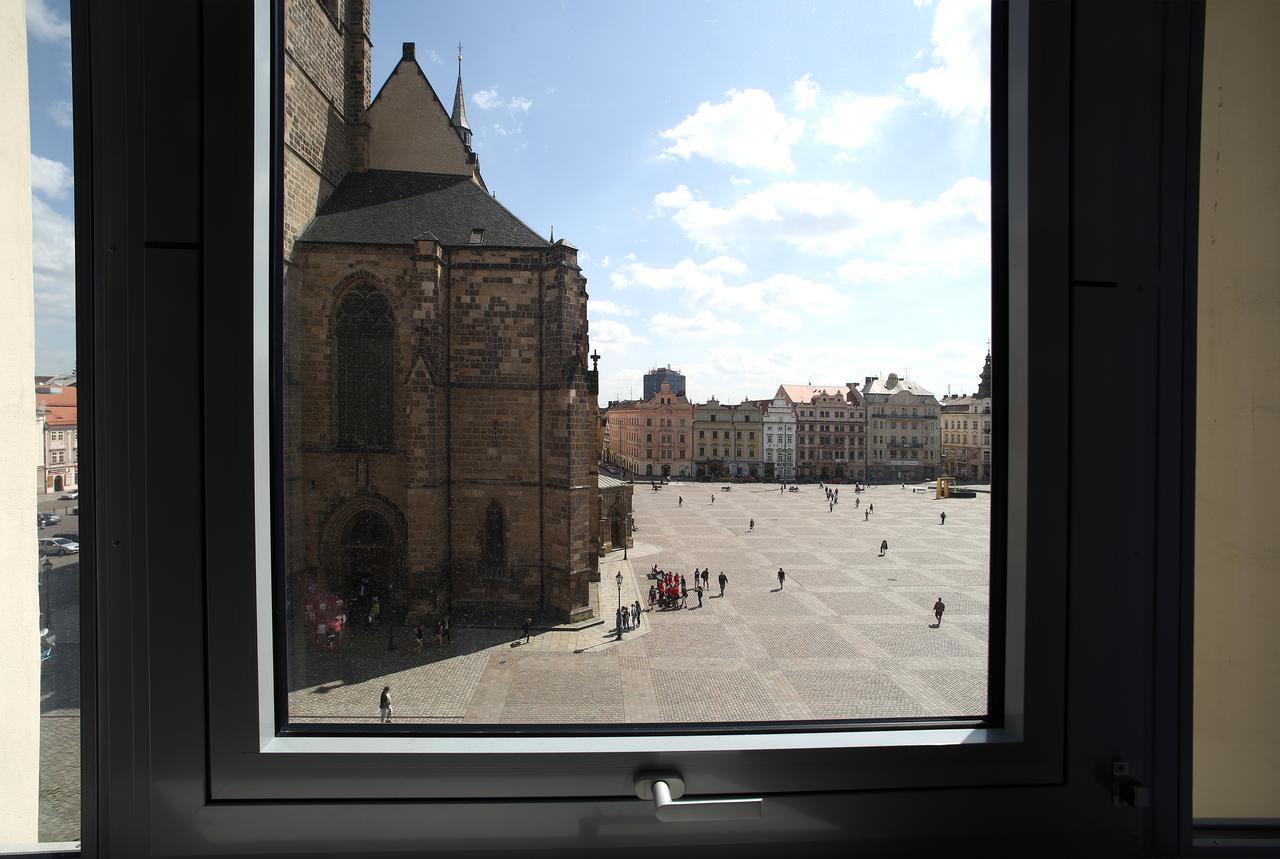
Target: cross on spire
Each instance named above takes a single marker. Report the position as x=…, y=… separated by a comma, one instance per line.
x=595, y=361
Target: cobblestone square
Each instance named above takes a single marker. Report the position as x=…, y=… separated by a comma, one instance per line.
x=851, y=634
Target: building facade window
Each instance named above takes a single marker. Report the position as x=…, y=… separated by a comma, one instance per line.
x=363, y=330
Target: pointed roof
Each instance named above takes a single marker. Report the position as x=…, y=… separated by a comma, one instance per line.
x=459, y=115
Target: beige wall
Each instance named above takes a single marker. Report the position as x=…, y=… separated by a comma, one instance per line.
x=410, y=130
x=19, y=644
x=1236, y=755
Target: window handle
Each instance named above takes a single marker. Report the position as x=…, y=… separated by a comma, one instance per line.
x=665, y=788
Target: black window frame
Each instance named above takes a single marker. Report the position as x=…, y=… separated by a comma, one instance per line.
x=162, y=235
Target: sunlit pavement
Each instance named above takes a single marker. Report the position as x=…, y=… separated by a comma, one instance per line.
x=851, y=634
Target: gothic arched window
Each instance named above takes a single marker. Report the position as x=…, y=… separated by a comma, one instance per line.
x=364, y=354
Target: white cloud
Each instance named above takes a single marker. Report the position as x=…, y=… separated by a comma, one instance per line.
x=860, y=270
x=433, y=57
x=608, y=334
x=44, y=24
x=701, y=324
x=60, y=113
x=745, y=131
x=604, y=263
x=778, y=301
x=609, y=308
x=852, y=120
x=53, y=246
x=677, y=198
x=920, y=4
x=739, y=180
x=618, y=280
x=630, y=257
x=804, y=92
x=943, y=237
x=486, y=99
x=520, y=103
x=959, y=80
x=49, y=177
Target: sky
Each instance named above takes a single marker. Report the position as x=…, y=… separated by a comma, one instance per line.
x=760, y=194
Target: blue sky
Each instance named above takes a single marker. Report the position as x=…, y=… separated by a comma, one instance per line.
x=760, y=193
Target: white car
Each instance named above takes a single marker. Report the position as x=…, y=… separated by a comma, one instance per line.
x=58, y=546
x=70, y=496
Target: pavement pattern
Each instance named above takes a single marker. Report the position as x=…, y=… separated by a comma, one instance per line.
x=850, y=635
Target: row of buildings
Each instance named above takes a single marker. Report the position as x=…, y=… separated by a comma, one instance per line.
x=882, y=430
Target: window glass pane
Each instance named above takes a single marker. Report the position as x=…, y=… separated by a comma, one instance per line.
x=39, y=432
x=473, y=489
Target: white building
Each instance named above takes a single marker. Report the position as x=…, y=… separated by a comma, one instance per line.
x=779, y=461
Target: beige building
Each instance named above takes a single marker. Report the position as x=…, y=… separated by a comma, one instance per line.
x=728, y=439
x=652, y=438
x=966, y=437
x=903, y=436
x=60, y=438
x=831, y=424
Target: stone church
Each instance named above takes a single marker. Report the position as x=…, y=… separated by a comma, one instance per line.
x=439, y=412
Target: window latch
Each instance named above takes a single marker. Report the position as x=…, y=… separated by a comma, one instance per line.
x=665, y=788
x=1127, y=790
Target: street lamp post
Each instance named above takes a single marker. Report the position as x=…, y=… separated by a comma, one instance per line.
x=618, y=579
x=46, y=566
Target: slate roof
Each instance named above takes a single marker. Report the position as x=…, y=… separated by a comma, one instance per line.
x=806, y=393
x=395, y=207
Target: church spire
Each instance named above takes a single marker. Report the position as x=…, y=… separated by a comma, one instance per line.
x=459, y=115
x=984, y=378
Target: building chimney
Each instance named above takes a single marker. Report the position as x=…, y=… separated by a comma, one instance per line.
x=407, y=51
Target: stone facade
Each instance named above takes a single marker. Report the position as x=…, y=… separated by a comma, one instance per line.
x=728, y=439
x=903, y=436
x=614, y=528
x=831, y=436
x=653, y=438
x=966, y=437
x=477, y=498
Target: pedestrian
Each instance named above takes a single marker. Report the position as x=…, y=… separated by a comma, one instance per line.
x=706, y=577
x=617, y=618
x=376, y=611
x=440, y=633
x=724, y=580
x=681, y=504
x=635, y=612
x=782, y=578
x=943, y=514
x=855, y=503
x=447, y=639
x=866, y=515
x=684, y=593
x=653, y=594
x=752, y=525
x=884, y=547
x=938, y=609
x=781, y=487
x=698, y=590
x=871, y=507
x=837, y=492
x=417, y=634
x=527, y=622
x=830, y=506
x=384, y=705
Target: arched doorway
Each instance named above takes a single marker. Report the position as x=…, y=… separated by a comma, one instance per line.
x=57, y=483
x=618, y=534
x=368, y=555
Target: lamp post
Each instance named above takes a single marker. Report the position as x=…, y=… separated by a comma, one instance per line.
x=618, y=579
x=46, y=566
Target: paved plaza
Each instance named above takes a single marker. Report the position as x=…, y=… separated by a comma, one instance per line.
x=851, y=635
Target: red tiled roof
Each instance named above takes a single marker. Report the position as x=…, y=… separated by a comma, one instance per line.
x=59, y=406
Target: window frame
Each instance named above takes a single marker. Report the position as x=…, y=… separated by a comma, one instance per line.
x=182, y=762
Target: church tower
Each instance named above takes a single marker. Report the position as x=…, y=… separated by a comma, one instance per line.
x=984, y=378
x=459, y=115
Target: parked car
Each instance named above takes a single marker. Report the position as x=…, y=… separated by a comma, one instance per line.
x=46, y=519
x=70, y=496
x=58, y=546
x=68, y=535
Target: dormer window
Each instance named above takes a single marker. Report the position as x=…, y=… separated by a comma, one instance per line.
x=477, y=236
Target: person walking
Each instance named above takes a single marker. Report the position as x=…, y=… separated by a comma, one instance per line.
x=723, y=580
x=871, y=508
x=866, y=515
x=417, y=635
x=653, y=595
x=943, y=514
x=527, y=622
x=635, y=613
x=684, y=593
x=938, y=609
x=856, y=502
x=698, y=591
x=706, y=577
x=713, y=499
x=830, y=506
x=752, y=525
x=384, y=705
x=782, y=578
x=884, y=547
x=445, y=623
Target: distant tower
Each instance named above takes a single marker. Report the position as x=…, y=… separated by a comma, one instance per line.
x=654, y=378
x=459, y=115
x=984, y=378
